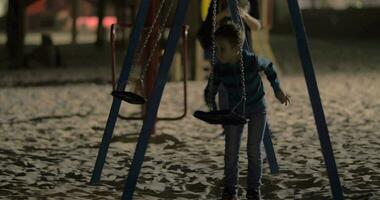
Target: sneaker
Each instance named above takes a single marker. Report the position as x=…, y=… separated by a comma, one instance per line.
x=235, y=197
x=253, y=195
x=228, y=196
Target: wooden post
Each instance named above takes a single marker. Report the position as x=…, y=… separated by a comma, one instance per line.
x=261, y=38
x=201, y=64
x=176, y=69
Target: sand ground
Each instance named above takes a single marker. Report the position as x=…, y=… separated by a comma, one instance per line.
x=50, y=134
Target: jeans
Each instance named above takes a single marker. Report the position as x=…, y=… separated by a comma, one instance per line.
x=256, y=128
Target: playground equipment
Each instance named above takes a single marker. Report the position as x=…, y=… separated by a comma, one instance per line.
x=131, y=97
x=184, y=52
x=150, y=117
x=149, y=48
x=154, y=100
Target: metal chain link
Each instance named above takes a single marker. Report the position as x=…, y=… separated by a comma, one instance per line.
x=150, y=30
x=242, y=76
x=213, y=52
x=160, y=33
x=242, y=73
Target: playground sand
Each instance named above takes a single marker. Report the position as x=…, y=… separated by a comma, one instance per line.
x=50, y=135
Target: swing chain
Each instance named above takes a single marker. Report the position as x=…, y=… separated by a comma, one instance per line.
x=242, y=73
x=150, y=31
x=213, y=52
x=160, y=33
x=242, y=78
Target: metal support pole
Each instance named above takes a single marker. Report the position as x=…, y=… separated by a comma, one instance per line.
x=136, y=32
x=312, y=87
x=154, y=101
x=269, y=150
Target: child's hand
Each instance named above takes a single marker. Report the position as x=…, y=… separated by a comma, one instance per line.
x=243, y=13
x=282, y=97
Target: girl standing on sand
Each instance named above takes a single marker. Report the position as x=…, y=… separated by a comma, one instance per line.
x=227, y=71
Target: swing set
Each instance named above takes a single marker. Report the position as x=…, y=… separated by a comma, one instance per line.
x=131, y=97
x=152, y=47
x=154, y=99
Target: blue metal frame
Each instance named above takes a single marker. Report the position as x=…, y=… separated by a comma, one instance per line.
x=269, y=151
x=312, y=87
x=127, y=63
x=154, y=101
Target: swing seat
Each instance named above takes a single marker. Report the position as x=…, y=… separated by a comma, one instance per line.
x=223, y=117
x=129, y=97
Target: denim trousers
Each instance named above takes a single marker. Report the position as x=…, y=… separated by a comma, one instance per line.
x=233, y=135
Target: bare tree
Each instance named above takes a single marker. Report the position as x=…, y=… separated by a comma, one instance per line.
x=100, y=36
x=121, y=8
x=74, y=15
x=16, y=30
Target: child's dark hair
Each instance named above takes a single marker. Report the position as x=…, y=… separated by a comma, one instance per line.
x=230, y=32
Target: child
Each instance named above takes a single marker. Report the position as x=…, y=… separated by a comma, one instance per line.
x=248, y=10
x=228, y=38
x=250, y=23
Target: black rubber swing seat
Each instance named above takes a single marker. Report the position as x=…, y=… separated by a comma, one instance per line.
x=223, y=117
x=129, y=97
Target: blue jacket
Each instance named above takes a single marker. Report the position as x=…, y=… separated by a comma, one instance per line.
x=230, y=76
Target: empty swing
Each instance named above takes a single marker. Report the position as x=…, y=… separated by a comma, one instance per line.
x=224, y=117
x=132, y=97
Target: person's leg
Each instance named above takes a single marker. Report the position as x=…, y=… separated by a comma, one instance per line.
x=223, y=97
x=231, y=158
x=222, y=102
x=256, y=128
